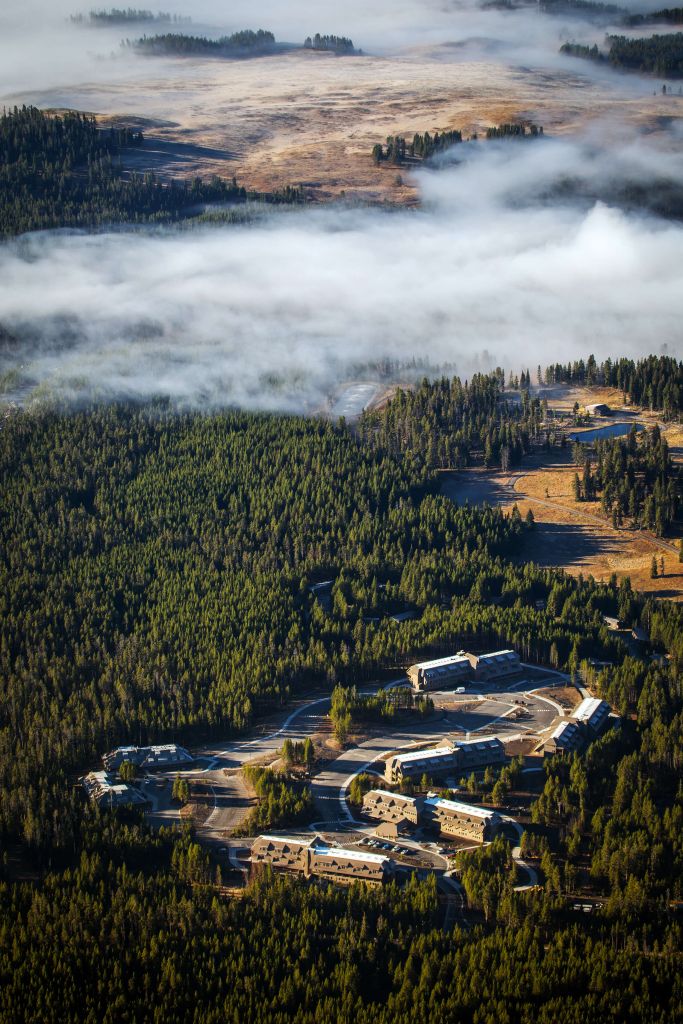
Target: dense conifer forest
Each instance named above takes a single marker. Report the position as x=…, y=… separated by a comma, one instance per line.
x=635, y=479
x=64, y=171
x=239, y=44
x=666, y=16
x=658, y=55
x=156, y=572
x=444, y=422
x=333, y=44
x=155, y=584
x=425, y=146
x=126, y=16
x=655, y=382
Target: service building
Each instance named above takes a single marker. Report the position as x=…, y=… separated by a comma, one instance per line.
x=154, y=758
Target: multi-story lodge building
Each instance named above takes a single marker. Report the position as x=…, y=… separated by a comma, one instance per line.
x=312, y=857
x=592, y=713
x=497, y=665
x=565, y=738
x=463, y=668
x=109, y=792
x=434, y=761
x=457, y=756
x=454, y=818
x=432, y=675
x=394, y=807
x=451, y=817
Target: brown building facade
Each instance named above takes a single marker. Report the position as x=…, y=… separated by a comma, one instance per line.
x=312, y=857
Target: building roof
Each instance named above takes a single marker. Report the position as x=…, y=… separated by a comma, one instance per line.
x=589, y=710
x=491, y=741
x=168, y=753
x=168, y=750
x=566, y=734
x=460, y=808
x=372, y=858
x=453, y=659
x=105, y=788
x=497, y=655
x=393, y=796
x=290, y=840
x=423, y=755
x=562, y=727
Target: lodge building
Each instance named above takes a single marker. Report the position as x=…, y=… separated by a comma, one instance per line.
x=463, y=668
x=311, y=857
x=457, y=757
x=450, y=817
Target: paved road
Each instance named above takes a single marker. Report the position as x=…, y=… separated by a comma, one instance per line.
x=491, y=714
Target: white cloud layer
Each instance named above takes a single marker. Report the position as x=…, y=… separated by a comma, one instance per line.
x=276, y=314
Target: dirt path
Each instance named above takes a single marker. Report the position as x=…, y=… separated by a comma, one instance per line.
x=579, y=513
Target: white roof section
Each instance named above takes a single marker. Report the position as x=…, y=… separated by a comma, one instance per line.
x=588, y=708
x=393, y=796
x=290, y=840
x=562, y=728
x=358, y=855
x=491, y=741
x=453, y=659
x=422, y=755
x=460, y=808
x=498, y=654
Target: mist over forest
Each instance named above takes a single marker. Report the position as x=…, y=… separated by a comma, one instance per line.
x=274, y=314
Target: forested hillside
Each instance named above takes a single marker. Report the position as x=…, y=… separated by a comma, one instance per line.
x=443, y=422
x=155, y=573
x=155, y=584
x=63, y=171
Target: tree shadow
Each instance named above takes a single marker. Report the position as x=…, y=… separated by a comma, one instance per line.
x=563, y=544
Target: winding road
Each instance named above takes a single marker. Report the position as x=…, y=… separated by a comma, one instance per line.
x=509, y=713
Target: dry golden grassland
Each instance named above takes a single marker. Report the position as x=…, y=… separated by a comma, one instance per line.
x=312, y=118
x=590, y=544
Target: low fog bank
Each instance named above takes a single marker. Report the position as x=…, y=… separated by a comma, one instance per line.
x=44, y=57
x=275, y=315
